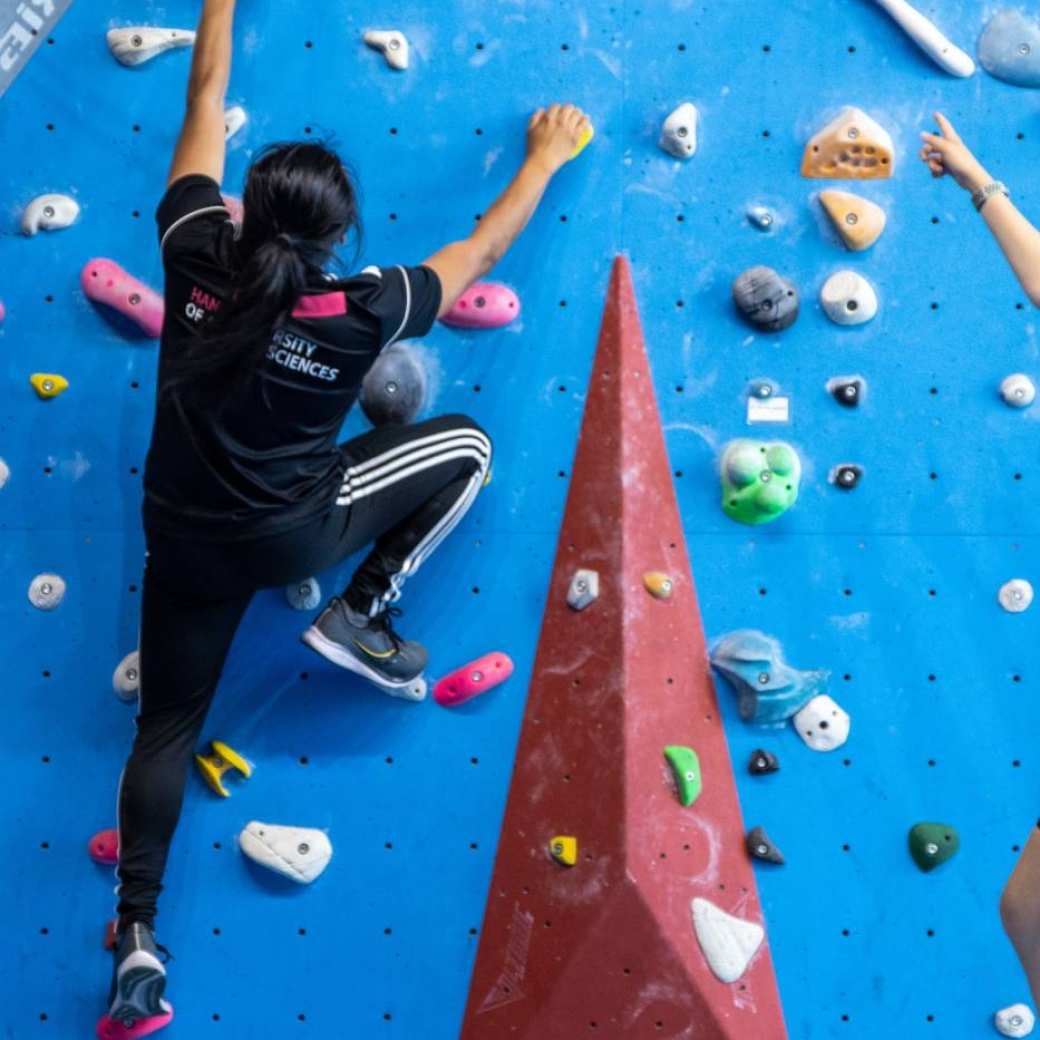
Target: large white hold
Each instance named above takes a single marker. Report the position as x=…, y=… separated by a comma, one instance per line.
x=46, y=591
x=1015, y=595
x=679, y=131
x=234, y=119
x=140, y=43
x=126, y=679
x=948, y=56
x=822, y=724
x=1017, y=1020
x=727, y=942
x=391, y=43
x=1018, y=390
x=49, y=213
x=847, y=298
x=299, y=853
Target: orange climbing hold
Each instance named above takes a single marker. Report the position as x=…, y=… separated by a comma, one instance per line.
x=659, y=585
x=851, y=146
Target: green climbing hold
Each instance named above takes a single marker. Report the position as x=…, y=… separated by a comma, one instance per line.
x=759, y=480
x=932, y=844
x=686, y=768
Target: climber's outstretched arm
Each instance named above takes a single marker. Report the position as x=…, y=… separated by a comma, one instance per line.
x=200, y=148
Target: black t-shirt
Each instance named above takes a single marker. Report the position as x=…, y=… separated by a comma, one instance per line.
x=264, y=460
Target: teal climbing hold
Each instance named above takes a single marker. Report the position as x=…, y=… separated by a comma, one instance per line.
x=759, y=480
x=932, y=844
x=1009, y=48
x=686, y=768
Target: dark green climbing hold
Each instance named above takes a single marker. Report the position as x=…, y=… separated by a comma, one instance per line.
x=932, y=844
x=760, y=846
x=759, y=480
x=686, y=768
x=762, y=762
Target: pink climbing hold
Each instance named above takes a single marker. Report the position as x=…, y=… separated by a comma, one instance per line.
x=109, y=1029
x=104, y=847
x=104, y=281
x=3, y=311
x=484, y=305
x=473, y=679
x=234, y=207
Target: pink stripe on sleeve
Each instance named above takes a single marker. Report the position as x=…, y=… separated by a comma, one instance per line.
x=322, y=305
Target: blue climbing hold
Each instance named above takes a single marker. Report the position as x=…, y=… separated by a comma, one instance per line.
x=769, y=690
x=1009, y=48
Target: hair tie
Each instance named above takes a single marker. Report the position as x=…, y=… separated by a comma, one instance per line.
x=285, y=239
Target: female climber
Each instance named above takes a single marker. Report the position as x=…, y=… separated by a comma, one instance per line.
x=261, y=357
x=946, y=153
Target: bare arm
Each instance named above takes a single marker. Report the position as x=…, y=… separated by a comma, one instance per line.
x=200, y=147
x=945, y=153
x=552, y=137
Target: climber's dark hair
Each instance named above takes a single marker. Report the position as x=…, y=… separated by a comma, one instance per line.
x=299, y=202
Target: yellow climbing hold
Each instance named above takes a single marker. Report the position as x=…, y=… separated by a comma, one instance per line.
x=217, y=761
x=564, y=849
x=658, y=585
x=586, y=135
x=48, y=385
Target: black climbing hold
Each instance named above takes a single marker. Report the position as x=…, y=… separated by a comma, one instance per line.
x=762, y=762
x=394, y=389
x=847, y=477
x=847, y=392
x=766, y=299
x=760, y=846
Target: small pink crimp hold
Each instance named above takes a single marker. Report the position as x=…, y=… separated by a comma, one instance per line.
x=108, y=1029
x=234, y=207
x=3, y=311
x=473, y=679
x=484, y=305
x=104, y=281
x=104, y=847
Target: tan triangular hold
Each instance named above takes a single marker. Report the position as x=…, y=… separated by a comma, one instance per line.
x=852, y=146
x=859, y=221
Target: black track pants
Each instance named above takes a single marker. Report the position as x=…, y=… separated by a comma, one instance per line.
x=404, y=488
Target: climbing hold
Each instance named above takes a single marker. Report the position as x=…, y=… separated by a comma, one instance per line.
x=686, y=768
x=484, y=305
x=762, y=762
x=48, y=384
x=1017, y=1020
x=49, y=213
x=1017, y=390
x=760, y=846
x=234, y=119
x=847, y=390
x=932, y=844
x=766, y=299
x=949, y=57
x=473, y=679
x=679, y=131
x=852, y=145
x=298, y=853
x=769, y=690
x=392, y=44
x=765, y=405
x=3, y=311
x=759, y=480
x=659, y=585
x=140, y=43
x=126, y=679
x=761, y=217
x=104, y=847
x=564, y=849
x=46, y=591
x=583, y=139
x=846, y=476
x=727, y=942
x=1015, y=595
x=848, y=298
x=1009, y=48
x=583, y=589
x=858, y=221
x=111, y=939
x=109, y=1028
x=217, y=761
x=105, y=282
x=304, y=595
x=5, y=473
x=235, y=209
x=394, y=388
x=822, y=724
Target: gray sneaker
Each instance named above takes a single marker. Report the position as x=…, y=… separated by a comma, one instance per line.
x=371, y=648
x=138, y=984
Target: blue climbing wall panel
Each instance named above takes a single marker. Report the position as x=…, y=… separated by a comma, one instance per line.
x=892, y=587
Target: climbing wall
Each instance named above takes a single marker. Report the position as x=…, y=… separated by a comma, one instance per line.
x=891, y=586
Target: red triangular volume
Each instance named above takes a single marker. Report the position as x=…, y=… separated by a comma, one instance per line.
x=607, y=947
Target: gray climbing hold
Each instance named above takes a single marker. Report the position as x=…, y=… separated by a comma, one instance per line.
x=126, y=679
x=766, y=299
x=584, y=589
x=679, y=132
x=1009, y=48
x=1015, y=595
x=761, y=217
x=846, y=476
x=394, y=389
x=1018, y=390
x=1017, y=1020
x=822, y=724
x=762, y=762
x=46, y=591
x=847, y=298
x=847, y=390
x=727, y=942
x=304, y=595
x=760, y=846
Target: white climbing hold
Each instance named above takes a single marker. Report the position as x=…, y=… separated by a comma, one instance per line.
x=49, y=213
x=1017, y=1020
x=126, y=679
x=299, y=853
x=392, y=44
x=948, y=56
x=234, y=119
x=1015, y=595
x=822, y=724
x=728, y=942
x=304, y=595
x=46, y=591
x=848, y=298
x=679, y=132
x=761, y=217
x=5, y=473
x=140, y=43
x=1018, y=390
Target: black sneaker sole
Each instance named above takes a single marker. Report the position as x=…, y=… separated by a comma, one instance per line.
x=408, y=689
x=139, y=995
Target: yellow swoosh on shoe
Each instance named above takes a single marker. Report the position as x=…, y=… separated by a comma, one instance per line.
x=380, y=655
